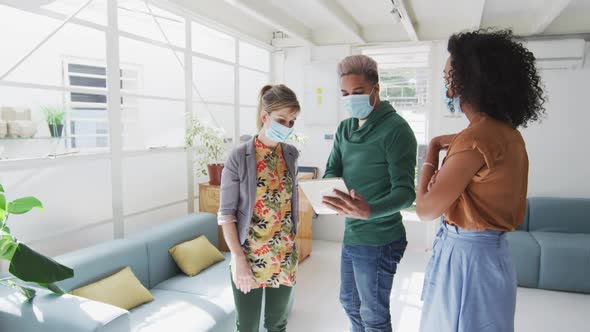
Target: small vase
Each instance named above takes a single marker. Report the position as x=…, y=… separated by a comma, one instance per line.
x=56, y=130
x=215, y=174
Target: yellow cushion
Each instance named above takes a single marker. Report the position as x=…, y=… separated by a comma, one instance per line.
x=195, y=255
x=121, y=289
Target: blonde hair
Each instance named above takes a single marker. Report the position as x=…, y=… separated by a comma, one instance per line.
x=274, y=98
x=359, y=65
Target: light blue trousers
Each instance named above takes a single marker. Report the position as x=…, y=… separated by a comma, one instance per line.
x=470, y=283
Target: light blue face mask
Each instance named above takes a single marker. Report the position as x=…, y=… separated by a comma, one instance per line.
x=454, y=104
x=359, y=106
x=278, y=133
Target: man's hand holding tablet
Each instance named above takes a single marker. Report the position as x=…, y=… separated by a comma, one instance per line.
x=351, y=205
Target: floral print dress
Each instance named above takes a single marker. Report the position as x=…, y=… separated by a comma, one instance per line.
x=270, y=245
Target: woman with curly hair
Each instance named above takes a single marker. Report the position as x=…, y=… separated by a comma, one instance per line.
x=481, y=188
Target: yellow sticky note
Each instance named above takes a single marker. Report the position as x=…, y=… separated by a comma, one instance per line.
x=320, y=90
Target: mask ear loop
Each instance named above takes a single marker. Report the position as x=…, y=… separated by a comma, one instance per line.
x=372, y=90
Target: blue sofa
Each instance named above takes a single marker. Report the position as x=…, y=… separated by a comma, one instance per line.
x=200, y=303
x=551, y=248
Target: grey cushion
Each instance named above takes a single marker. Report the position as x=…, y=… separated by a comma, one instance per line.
x=166, y=236
x=565, y=261
x=526, y=254
x=95, y=263
x=211, y=282
x=524, y=226
x=561, y=215
x=182, y=312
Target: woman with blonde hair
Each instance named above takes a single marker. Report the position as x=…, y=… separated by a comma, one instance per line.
x=258, y=214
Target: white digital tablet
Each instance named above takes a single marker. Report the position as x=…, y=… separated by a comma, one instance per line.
x=314, y=190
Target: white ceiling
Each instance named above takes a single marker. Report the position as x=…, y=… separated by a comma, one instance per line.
x=325, y=22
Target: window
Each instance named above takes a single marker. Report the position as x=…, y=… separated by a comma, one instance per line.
x=213, y=43
x=406, y=90
x=254, y=74
x=403, y=78
x=228, y=74
x=87, y=125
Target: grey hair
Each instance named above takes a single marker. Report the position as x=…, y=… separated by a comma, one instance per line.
x=359, y=65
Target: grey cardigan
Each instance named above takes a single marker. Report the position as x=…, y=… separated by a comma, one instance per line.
x=239, y=183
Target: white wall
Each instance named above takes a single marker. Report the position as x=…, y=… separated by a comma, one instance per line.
x=557, y=145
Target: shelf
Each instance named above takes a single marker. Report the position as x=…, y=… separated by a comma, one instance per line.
x=33, y=138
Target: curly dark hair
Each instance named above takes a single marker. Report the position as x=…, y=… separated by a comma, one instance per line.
x=497, y=75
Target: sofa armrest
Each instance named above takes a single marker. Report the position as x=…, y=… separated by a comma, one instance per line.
x=49, y=312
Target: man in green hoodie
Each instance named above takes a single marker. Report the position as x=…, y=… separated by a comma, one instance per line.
x=375, y=152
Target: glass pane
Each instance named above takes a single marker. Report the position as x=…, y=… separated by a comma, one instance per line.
x=150, y=70
x=48, y=64
x=406, y=89
x=95, y=12
x=33, y=28
x=213, y=80
x=88, y=81
x=135, y=18
x=214, y=43
x=86, y=69
x=254, y=57
x=247, y=123
x=250, y=84
x=220, y=116
x=155, y=123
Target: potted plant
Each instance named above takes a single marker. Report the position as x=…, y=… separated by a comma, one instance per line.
x=54, y=115
x=25, y=263
x=299, y=140
x=208, y=145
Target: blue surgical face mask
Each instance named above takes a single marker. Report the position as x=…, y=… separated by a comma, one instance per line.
x=454, y=104
x=359, y=106
x=277, y=132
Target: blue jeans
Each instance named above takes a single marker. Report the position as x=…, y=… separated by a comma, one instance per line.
x=366, y=280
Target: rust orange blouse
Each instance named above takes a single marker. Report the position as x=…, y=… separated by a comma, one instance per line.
x=495, y=199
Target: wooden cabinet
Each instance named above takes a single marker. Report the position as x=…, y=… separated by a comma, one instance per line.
x=305, y=231
x=209, y=202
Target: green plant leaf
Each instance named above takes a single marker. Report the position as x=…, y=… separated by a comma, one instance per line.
x=24, y=205
x=2, y=207
x=26, y=291
x=7, y=247
x=1, y=189
x=5, y=229
x=52, y=287
x=29, y=265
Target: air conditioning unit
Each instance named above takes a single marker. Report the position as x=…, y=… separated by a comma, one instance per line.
x=558, y=54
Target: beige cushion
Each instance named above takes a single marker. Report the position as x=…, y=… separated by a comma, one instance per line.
x=195, y=255
x=22, y=129
x=15, y=113
x=121, y=289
